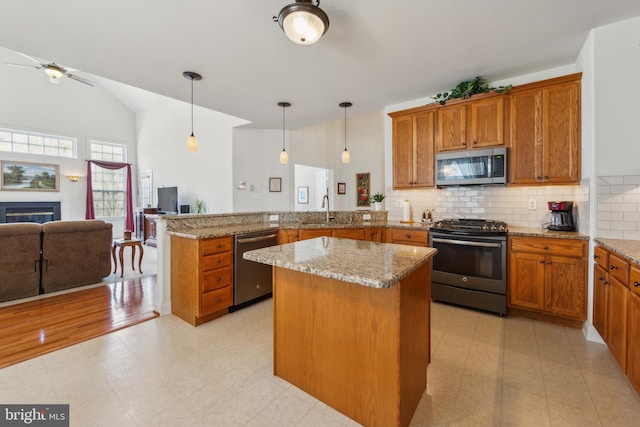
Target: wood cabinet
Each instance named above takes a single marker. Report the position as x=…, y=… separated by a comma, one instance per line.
x=470, y=124
x=610, y=294
x=374, y=234
x=406, y=236
x=548, y=275
x=413, y=149
x=146, y=226
x=201, y=278
x=633, y=328
x=544, y=132
x=287, y=236
x=343, y=233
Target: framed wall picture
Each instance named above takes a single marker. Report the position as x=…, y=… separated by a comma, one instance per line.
x=362, y=195
x=275, y=185
x=22, y=176
x=303, y=195
x=342, y=188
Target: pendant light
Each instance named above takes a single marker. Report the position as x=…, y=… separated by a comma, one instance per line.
x=303, y=21
x=284, y=157
x=346, y=157
x=192, y=141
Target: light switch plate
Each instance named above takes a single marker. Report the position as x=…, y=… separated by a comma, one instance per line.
x=273, y=217
x=366, y=217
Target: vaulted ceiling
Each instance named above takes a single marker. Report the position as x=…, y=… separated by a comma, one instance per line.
x=375, y=53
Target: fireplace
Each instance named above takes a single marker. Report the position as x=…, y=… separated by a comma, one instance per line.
x=29, y=212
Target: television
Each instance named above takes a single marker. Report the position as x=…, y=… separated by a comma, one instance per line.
x=168, y=200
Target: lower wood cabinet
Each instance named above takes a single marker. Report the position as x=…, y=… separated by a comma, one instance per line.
x=287, y=236
x=611, y=301
x=201, y=278
x=633, y=328
x=407, y=236
x=548, y=275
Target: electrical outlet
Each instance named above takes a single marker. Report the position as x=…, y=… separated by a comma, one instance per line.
x=532, y=204
x=366, y=217
x=273, y=217
x=398, y=203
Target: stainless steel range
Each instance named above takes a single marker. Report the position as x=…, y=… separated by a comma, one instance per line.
x=470, y=268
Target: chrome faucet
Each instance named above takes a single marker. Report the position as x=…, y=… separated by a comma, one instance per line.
x=326, y=197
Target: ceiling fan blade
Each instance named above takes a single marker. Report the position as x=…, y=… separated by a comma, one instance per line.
x=31, y=58
x=81, y=80
x=21, y=65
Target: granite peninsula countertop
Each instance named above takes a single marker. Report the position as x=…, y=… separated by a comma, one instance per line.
x=378, y=265
x=627, y=249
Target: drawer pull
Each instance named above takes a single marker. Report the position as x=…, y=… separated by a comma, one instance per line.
x=596, y=256
x=613, y=267
x=219, y=245
x=218, y=261
x=635, y=283
x=600, y=278
x=218, y=299
x=545, y=247
x=541, y=261
x=218, y=279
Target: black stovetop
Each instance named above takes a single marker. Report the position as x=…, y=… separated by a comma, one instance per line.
x=470, y=226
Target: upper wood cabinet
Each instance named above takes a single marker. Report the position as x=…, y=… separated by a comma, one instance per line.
x=413, y=148
x=544, y=132
x=469, y=124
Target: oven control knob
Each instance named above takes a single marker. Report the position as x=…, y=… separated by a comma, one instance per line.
x=485, y=227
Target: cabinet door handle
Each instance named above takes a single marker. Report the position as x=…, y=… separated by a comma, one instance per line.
x=464, y=144
x=600, y=278
x=548, y=262
x=635, y=283
x=606, y=283
x=539, y=178
x=596, y=256
x=475, y=142
x=613, y=267
x=541, y=261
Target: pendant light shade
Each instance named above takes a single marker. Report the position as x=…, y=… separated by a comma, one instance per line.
x=346, y=157
x=303, y=21
x=284, y=157
x=192, y=141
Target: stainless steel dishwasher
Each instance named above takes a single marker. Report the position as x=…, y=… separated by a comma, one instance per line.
x=251, y=280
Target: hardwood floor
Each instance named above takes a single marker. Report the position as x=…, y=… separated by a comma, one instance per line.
x=37, y=327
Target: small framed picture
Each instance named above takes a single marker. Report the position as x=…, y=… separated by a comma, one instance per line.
x=303, y=195
x=342, y=188
x=275, y=185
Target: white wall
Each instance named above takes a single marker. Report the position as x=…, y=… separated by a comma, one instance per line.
x=30, y=102
x=256, y=158
x=206, y=175
x=617, y=116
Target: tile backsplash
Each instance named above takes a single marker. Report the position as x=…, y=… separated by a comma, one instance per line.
x=619, y=207
x=509, y=204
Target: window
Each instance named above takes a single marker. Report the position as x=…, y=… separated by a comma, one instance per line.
x=108, y=185
x=18, y=141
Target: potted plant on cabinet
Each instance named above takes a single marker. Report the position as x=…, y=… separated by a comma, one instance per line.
x=376, y=201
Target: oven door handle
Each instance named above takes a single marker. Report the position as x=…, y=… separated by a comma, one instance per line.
x=257, y=239
x=467, y=243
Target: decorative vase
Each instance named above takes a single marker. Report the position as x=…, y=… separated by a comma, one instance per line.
x=377, y=206
x=127, y=235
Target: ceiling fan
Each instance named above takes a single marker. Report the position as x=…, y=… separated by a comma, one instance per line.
x=53, y=70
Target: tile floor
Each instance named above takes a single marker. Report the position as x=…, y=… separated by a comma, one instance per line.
x=485, y=371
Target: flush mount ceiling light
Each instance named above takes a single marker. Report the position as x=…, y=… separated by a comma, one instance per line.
x=192, y=141
x=54, y=72
x=346, y=157
x=284, y=157
x=303, y=21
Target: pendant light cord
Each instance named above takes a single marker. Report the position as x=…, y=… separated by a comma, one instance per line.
x=283, y=107
x=192, y=107
x=345, y=128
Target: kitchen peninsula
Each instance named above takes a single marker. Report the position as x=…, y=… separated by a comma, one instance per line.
x=351, y=324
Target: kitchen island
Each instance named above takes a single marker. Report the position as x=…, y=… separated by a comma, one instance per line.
x=351, y=324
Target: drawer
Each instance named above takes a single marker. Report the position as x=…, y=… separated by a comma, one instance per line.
x=210, y=262
x=634, y=280
x=216, y=279
x=409, y=237
x=601, y=257
x=561, y=247
x=354, y=233
x=619, y=268
x=214, y=246
x=216, y=300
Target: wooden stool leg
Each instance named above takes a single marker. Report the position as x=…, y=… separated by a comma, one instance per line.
x=133, y=257
x=113, y=254
x=140, y=259
x=121, y=261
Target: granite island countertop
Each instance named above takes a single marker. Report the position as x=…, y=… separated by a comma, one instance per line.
x=378, y=265
x=627, y=249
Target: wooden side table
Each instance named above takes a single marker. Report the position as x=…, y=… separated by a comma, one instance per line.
x=122, y=243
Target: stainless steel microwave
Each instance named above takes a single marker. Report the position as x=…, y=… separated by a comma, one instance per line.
x=473, y=167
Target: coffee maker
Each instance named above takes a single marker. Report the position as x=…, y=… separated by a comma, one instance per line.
x=561, y=216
